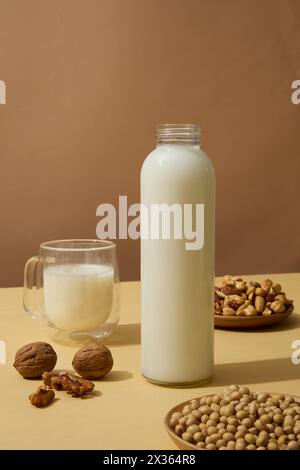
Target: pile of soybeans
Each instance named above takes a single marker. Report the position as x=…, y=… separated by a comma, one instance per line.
x=239, y=419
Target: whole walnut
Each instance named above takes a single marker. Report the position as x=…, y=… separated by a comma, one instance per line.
x=35, y=358
x=93, y=361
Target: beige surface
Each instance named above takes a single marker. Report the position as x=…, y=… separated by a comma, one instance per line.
x=87, y=83
x=129, y=413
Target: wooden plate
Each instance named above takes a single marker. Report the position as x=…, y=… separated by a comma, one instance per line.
x=222, y=321
x=181, y=444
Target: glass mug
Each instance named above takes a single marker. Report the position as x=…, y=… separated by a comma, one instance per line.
x=72, y=287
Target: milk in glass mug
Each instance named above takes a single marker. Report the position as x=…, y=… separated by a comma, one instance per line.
x=72, y=286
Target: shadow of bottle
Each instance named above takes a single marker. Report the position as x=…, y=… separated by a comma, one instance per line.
x=268, y=370
x=125, y=335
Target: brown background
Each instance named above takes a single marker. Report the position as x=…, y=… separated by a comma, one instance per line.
x=87, y=82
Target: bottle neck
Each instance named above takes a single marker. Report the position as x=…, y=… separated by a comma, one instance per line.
x=178, y=134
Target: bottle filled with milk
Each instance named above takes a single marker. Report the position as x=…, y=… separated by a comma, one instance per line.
x=177, y=258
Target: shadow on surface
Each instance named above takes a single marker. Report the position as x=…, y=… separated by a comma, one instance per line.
x=269, y=370
x=95, y=393
x=125, y=334
x=55, y=400
x=89, y=396
x=291, y=323
x=117, y=376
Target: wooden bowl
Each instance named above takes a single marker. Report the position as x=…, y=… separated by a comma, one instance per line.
x=258, y=321
x=180, y=443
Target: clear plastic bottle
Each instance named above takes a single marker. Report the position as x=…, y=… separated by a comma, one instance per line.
x=177, y=274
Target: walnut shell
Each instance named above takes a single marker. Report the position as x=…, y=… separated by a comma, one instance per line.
x=35, y=358
x=93, y=361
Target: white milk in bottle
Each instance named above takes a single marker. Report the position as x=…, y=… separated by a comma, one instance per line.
x=177, y=258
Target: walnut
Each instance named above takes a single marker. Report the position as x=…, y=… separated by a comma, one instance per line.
x=41, y=397
x=93, y=361
x=230, y=290
x=35, y=358
x=70, y=383
x=270, y=296
x=233, y=301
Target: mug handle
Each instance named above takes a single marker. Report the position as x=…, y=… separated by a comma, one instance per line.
x=33, y=283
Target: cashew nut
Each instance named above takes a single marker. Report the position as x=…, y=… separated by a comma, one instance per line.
x=277, y=306
x=227, y=311
x=250, y=311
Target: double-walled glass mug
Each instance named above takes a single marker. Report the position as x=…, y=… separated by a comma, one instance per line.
x=72, y=287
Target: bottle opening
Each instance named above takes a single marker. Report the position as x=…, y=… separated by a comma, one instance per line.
x=178, y=133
